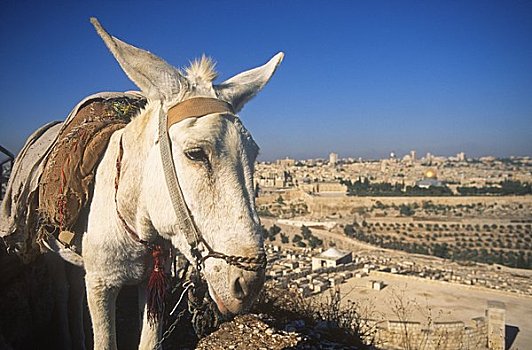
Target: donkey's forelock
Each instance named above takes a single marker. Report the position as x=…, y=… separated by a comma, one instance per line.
x=201, y=70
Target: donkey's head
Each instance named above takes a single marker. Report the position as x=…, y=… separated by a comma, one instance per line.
x=213, y=157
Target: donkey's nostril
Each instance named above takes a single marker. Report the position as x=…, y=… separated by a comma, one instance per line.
x=239, y=289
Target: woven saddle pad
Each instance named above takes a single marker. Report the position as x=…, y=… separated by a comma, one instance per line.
x=67, y=180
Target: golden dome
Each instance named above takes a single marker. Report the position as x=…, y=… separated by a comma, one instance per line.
x=431, y=174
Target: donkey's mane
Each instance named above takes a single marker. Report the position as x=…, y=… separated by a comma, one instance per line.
x=201, y=69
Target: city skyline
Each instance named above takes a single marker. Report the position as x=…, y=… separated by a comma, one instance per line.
x=399, y=156
x=359, y=79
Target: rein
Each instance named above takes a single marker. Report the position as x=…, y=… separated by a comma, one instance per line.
x=196, y=107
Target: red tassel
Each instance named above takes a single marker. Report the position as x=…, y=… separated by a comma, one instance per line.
x=157, y=284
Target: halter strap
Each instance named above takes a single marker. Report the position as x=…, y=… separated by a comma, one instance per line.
x=184, y=217
x=196, y=107
x=193, y=107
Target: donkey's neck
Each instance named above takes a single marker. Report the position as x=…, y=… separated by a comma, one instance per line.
x=140, y=133
x=137, y=139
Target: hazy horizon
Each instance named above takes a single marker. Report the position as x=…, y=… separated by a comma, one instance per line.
x=399, y=153
x=361, y=79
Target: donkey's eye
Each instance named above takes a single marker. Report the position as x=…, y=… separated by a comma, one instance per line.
x=197, y=155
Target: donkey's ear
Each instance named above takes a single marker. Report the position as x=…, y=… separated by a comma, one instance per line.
x=242, y=87
x=156, y=78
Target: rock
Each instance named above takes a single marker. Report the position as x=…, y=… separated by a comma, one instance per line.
x=248, y=332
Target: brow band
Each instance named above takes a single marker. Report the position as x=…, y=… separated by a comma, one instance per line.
x=197, y=107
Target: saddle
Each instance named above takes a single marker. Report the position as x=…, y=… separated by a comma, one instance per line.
x=49, y=199
x=68, y=176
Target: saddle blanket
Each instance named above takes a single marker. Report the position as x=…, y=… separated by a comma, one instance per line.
x=52, y=177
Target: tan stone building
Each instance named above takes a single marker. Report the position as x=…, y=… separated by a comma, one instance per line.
x=332, y=257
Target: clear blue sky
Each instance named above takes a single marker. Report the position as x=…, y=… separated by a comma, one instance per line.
x=361, y=78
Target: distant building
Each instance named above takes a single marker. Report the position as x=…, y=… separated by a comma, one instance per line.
x=333, y=159
x=330, y=187
x=413, y=155
x=287, y=162
x=332, y=257
x=431, y=174
x=384, y=165
x=487, y=159
x=277, y=179
x=428, y=158
x=430, y=180
x=375, y=285
x=427, y=183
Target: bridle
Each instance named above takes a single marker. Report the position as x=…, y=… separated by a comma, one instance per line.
x=195, y=107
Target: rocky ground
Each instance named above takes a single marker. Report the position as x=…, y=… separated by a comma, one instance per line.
x=252, y=332
x=249, y=332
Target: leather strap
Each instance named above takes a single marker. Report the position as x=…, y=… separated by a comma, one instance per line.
x=184, y=220
x=196, y=107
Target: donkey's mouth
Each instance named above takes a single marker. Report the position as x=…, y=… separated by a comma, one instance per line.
x=225, y=310
x=218, y=301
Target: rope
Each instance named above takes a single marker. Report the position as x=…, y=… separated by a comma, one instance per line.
x=186, y=285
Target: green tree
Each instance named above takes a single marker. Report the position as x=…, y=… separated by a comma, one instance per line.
x=274, y=230
x=305, y=232
x=406, y=210
x=315, y=242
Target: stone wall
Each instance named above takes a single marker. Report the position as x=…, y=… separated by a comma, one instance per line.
x=288, y=195
x=478, y=333
x=436, y=336
x=327, y=205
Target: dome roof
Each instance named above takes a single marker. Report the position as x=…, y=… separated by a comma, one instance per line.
x=431, y=174
x=333, y=253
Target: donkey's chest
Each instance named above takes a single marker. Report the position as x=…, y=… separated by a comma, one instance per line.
x=123, y=263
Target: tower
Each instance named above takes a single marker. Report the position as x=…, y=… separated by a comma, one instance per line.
x=333, y=159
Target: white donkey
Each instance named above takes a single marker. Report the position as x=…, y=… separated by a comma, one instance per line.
x=184, y=174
